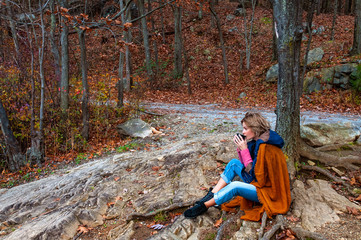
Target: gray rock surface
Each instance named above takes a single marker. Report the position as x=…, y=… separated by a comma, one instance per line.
x=138, y=183
x=321, y=134
x=315, y=55
x=327, y=78
x=135, y=128
x=318, y=203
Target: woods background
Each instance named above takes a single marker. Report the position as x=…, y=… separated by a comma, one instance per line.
x=70, y=71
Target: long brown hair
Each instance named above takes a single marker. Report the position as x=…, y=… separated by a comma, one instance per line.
x=256, y=122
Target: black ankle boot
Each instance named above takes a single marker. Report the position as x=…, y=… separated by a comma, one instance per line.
x=207, y=197
x=195, y=211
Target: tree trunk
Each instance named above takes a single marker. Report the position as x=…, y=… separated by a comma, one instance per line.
x=310, y=14
x=274, y=41
x=225, y=64
x=288, y=17
x=41, y=147
x=162, y=22
x=85, y=87
x=127, y=39
x=200, y=11
x=54, y=47
x=155, y=46
x=13, y=32
x=178, y=71
x=186, y=68
x=15, y=158
x=64, y=82
x=145, y=39
x=120, y=85
x=335, y=6
x=248, y=36
x=356, y=47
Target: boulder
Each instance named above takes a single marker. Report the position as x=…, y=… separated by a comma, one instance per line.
x=135, y=128
x=239, y=12
x=327, y=78
x=320, y=134
x=317, y=203
x=315, y=55
x=272, y=74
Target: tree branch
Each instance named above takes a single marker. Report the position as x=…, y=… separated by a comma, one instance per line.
x=329, y=175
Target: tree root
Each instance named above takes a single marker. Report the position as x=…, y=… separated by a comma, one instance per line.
x=299, y=232
x=263, y=225
x=313, y=154
x=222, y=227
x=136, y=215
x=334, y=147
x=304, y=234
x=279, y=225
x=329, y=175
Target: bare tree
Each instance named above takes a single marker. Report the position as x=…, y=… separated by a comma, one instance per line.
x=335, y=6
x=356, y=47
x=14, y=32
x=288, y=18
x=85, y=86
x=178, y=71
x=53, y=44
x=145, y=38
x=64, y=82
x=15, y=158
x=248, y=35
x=224, y=57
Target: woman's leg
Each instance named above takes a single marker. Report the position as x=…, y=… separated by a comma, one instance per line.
x=233, y=189
x=220, y=184
x=224, y=195
x=233, y=167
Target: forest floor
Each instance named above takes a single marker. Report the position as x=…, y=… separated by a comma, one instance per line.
x=203, y=120
x=207, y=77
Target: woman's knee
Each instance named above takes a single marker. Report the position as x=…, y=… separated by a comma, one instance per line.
x=235, y=162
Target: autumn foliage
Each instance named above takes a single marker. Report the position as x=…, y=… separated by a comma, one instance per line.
x=200, y=40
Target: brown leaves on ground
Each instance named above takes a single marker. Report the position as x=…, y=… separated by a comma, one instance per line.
x=218, y=223
x=84, y=229
x=353, y=211
x=286, y=234
x=293, y=218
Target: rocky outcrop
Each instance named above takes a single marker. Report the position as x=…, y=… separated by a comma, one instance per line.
x=140, y=183
x=317, y=203
x=320, y=134
x=327, y=78
x=314, y=55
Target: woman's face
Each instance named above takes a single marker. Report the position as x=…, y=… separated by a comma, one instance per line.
x=247, y=132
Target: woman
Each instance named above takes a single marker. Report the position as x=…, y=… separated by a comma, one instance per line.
x=256, y=130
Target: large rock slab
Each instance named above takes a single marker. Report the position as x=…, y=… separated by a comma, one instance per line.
x=320, y=134
x=318, y=203
x=138, y=182
x=135, y=128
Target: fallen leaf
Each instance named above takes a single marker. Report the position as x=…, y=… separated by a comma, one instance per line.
x=358, y=198
x=353, y=181
x=116, y=178
x=218, y=222
x=292, y=218
x=155, y=168
x=353, y=211
x=83, y=229
x=110, y=204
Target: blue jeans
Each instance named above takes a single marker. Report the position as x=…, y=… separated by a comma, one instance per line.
x=235, y=188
